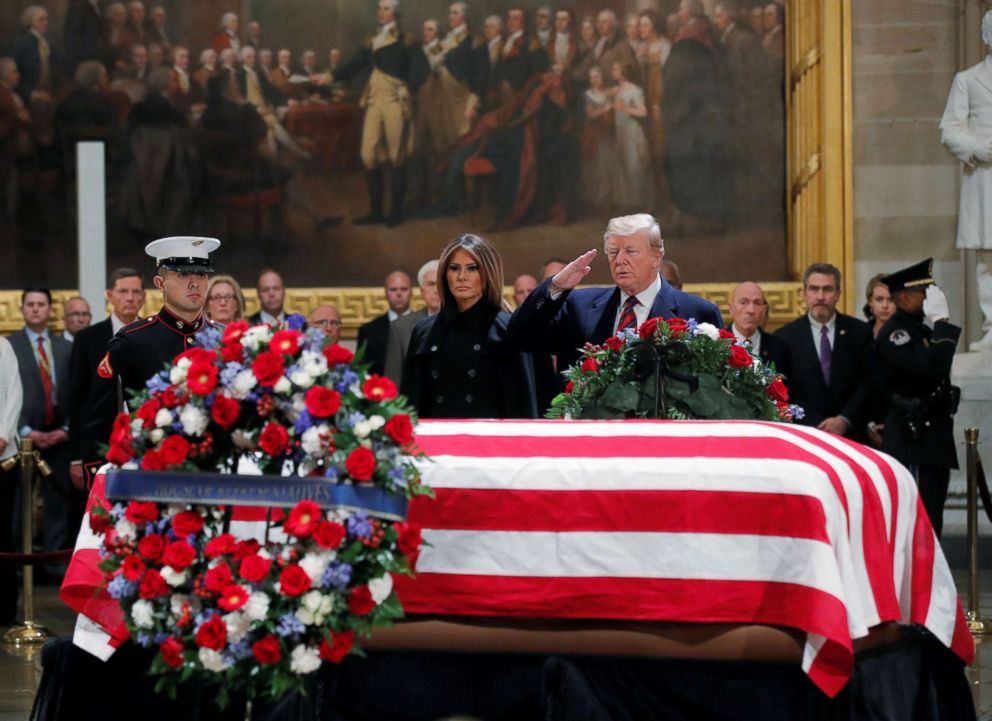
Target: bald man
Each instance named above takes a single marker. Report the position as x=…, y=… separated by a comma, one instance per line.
x=327, y=319
x=749, y=310
x=374, y=335
x=522, y=287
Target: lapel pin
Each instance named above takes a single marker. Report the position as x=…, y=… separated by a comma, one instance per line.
x=843, y=331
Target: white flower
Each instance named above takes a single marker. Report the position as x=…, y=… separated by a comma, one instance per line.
x=313, y=441
x=125, y=529
x=380, y=588
x=377, y=422
x=163, y=418
x=301, y=378
x=257, y=606
x=304, y=660
x=242, y=384
x=237, y=626
x=141, y=614
x=314, y=608
x=173, y=577
x=363, y=428
x=314, y=364
x=156, y=436
x=315, y=564
x=193, y=419
x=177, y=600
x=211, y=660
x=709, y=330
x=137, y=425
x=177, y=374
x=282, y=385
x=299, y=402
x=255, y=336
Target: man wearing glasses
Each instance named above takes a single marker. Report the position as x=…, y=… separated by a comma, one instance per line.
x=77, y=316
x=327, y=319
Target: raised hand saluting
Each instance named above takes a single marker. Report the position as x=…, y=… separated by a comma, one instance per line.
x=573, y=273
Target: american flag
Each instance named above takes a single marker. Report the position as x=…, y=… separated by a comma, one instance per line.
x=695, y=522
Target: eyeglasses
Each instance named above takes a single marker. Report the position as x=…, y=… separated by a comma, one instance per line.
x=332, y=323
x=222, y=298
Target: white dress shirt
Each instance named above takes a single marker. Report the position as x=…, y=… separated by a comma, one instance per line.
x=116, y=323
x=754, y=339
x=269, y=320
x=11, y=397
x=645, y=300
x=393, y=315
x=509, y=42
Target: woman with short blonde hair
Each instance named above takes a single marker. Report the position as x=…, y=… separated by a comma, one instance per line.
x=225, y=300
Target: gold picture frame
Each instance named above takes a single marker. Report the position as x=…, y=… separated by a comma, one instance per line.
x=819, y=187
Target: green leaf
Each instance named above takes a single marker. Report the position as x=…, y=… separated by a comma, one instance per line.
x=620, y=396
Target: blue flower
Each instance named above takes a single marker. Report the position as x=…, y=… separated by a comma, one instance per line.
x=398, y=477
x=295, y=321
x=143, y=640
x=161, y=636
x=120, y=587
x=691, y=325
x=158, y=383
x=348, y=379
x=117, y=512
x=228, y=372
x=202, y=617
x=289, y=624
x=303, y=422
x=797, y=412
x=353, y=419
x=331, y=472
x=240, y=650
x=337, y=576
x=208, y=336
x=358, y=525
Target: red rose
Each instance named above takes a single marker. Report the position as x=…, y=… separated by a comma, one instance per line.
x=322, y=402
x=234, y=353
x=187, y=522
x=676, y=326
x=360, y=464
x=132, y=568
x=141, y=512
x=171, y=399
x=400, y=429
x=339, y=646
x=151, y=546
x=647, y=328
x=100, y=522
x=360, y=601
x=120, y=432
x=303, y=519
x=212, y=634
x=379, y=388
x=248, y=547
x=152, y=461
x=408, y=539
x=336, y=354
x=739, y=357
x=233, y=597
x=273, y=439
x=201, y=378
x=234, y=331
x=254, y=568
x=218, y=578
x=569, y=387
x=777, y=391
x=147, y=412
x=267, y=650
x=329, y=534
x=589, y=365
x=268, y=368
x=152, y=585
x=614, y=343
x=225, y=411
x=172, y=651
x=219, y=545
x=286, y=342
x=120, y=453
x=174, y=450
x=179, y=555
x=293, y=581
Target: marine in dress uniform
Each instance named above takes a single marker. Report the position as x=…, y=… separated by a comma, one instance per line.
x=143, y=348
x=386, y=99
x=914, y=369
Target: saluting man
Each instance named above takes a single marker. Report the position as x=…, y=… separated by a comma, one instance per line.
x=140, y=350
x=915, y=349
x=386, y=129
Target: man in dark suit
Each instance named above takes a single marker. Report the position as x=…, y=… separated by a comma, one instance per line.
x=83, y=32
x=272, y=298
x=42, y=65
x=915, y=350
x=748, y=311
x=126, y=294
x=559, y=320
x=374, y=335
x=831, y=356
x=43, y=364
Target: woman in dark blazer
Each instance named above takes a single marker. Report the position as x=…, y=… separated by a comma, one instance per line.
x=458, y=365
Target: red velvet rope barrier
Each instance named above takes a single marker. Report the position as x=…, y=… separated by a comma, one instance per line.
x=34, y=559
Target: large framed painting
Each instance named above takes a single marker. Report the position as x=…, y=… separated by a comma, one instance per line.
x=339, y=140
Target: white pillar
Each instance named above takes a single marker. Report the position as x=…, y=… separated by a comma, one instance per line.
x=91, y=205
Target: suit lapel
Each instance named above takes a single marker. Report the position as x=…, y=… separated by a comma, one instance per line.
x=811, y=352
x=665, y=303
x=603, y=315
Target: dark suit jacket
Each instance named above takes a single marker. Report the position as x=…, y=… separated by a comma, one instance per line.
x=24, y=51
x=33, y=408
x=561, y=327
x=775, y=350
x=83, y=33
x=88, y=349
x=375, y=336
x=846, y=394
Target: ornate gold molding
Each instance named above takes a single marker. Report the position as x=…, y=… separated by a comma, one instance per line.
x=360, y=305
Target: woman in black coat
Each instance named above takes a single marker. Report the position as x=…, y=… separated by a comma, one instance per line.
x=458, y=365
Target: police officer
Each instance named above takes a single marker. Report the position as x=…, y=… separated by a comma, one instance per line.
x=140, y=350
x=387, y=110
x=915, y=349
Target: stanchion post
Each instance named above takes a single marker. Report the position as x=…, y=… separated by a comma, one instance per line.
x=28, y=632
x=976, y=624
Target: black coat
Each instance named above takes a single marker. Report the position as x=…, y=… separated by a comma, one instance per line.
x=775, y=350
x=846, y=393
x=83, y=33
x=88, y=348
x=24, y=51
x=914, y=366
x=459, y=366
x=375, y=337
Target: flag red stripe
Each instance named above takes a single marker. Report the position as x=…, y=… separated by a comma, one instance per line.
x=771, y=514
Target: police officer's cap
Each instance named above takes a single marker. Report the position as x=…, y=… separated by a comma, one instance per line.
x=183, y=253
x=919, y=275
